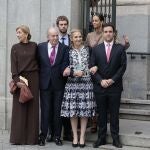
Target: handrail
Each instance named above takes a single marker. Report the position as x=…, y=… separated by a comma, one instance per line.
x=142, y=54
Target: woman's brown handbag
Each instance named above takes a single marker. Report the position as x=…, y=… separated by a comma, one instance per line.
x=12, y=86
x=25, y=94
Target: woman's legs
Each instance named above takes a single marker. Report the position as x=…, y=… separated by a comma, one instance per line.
x=83, y=122
x=74, y=125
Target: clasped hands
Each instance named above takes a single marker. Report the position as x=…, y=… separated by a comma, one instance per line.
x=67, y=72
x=78, y=73
x=106, y=83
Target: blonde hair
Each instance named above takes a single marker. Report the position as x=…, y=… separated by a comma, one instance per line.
x=26, y=30
x=72, y=32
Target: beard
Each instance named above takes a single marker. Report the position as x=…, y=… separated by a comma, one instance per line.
x=63, y=31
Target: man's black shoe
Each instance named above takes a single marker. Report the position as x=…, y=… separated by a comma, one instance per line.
x=117, y=143
x=41, y=141
x=49, y=138
x=58, y=142
x=99, y=142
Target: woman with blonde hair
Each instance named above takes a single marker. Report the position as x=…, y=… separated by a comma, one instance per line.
x=25, y=116
x=78, y=101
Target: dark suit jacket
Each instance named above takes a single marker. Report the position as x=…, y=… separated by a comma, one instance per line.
x=52, y=75
x=113, y=70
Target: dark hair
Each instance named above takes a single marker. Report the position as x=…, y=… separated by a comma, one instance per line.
x=100, y=16
x=61, y=18
x=109, y=24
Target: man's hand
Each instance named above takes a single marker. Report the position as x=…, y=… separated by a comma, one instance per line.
x=109, y=82
x=126, y=39
x=93, y=69
x=78, y=73
x=66, y=72
x=104, y=83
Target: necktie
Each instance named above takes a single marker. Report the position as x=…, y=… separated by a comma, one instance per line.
x=63, y=40
x=52, y=56
x=108, y=50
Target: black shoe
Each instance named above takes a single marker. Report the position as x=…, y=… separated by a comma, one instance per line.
x=49, y=138
x=75, y=145
x=82, y=145
x=58, y=142
x=117, y=143
x=41, y=141
x=99, y=142
x=67, y=137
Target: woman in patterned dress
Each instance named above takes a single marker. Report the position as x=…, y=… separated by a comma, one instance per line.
x=78, y=101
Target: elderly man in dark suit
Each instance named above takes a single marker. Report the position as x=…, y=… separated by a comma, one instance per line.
x=110, y=58
x=53, y=60
x=62, y=23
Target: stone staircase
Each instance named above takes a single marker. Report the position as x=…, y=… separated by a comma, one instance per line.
x=134, y=124
x=135, y=109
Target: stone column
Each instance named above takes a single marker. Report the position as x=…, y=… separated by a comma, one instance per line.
x=51, y=9
x=26, y=12
x=3, y=62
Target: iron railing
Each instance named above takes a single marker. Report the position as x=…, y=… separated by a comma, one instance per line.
x=134, y=54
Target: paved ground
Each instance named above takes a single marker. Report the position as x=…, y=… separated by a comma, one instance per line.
x=131, y=133
x=5, y=145
x=66, y=146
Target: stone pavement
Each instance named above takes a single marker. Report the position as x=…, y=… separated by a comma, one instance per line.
x=5, y=145
x=132, y=132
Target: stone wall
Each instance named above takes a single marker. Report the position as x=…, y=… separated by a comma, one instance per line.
x=133, y=20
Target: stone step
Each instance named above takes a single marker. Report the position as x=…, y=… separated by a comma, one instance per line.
x=135, y=114
x=135, y=104
x=132, y=133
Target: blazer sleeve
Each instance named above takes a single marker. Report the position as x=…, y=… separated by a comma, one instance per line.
x=65, y=62
x=93, y=62
x=122, y=68
x=14, y=68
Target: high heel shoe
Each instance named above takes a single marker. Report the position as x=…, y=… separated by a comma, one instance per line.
x=82, y=145
x=75, y=145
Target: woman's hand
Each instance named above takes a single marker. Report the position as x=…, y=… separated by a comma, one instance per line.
x=94, y=69
x=78, y=73
x=20, y=85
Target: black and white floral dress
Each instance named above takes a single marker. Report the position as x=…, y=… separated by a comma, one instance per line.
x=78, y=100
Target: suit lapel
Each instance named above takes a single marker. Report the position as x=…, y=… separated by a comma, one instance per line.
x=112, y=52
x=104, y=53
x=45, y=53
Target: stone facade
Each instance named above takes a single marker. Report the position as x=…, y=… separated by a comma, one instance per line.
x=132, y=19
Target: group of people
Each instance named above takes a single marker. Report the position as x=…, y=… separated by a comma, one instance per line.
x=74, y=80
